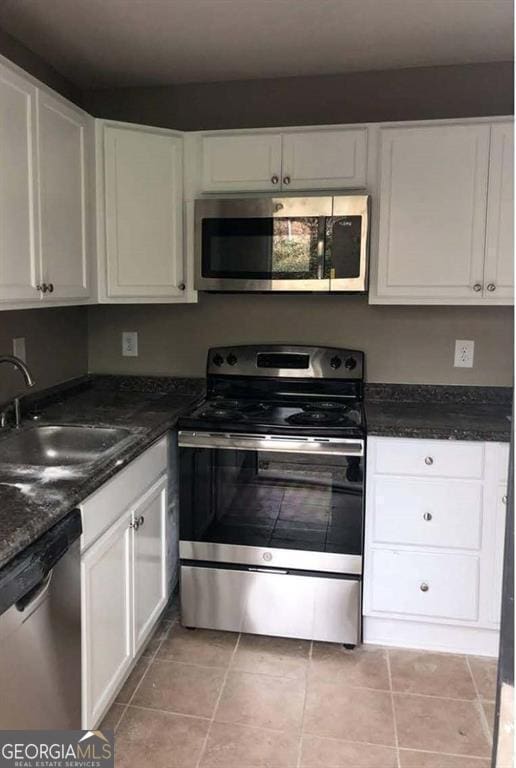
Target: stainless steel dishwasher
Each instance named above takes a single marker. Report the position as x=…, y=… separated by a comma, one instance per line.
x=40, y=633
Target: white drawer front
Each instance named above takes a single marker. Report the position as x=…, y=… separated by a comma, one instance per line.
x=397, y=578
x=100, y=510
x=429, y=513
x=429, y=458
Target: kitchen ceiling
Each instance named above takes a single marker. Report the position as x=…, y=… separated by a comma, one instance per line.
x=104, y=43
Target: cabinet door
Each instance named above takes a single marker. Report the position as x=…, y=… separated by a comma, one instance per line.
x=143, y=213
x=107, y=646
x=433, y=197
x=149, y=548
x=499, y=265
x=64, y=135
x=241, y=162
x=324, y=159
x=18, y=246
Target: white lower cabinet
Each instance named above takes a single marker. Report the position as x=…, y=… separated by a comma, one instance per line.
x=435, y=523
x=123, y=578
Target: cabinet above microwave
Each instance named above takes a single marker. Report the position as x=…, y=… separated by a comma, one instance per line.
x=316, y=243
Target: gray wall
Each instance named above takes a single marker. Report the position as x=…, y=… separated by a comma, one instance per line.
x=56, y=342
x=402, y=344
x=469, y=90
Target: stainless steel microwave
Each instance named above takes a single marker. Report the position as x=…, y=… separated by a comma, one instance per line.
x=316, y=243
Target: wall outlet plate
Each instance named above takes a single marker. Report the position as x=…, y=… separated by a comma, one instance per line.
x=130, y=343
x=464, y=353
x=19, y=349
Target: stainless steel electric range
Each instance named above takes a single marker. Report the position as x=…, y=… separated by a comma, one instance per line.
x=272, y=494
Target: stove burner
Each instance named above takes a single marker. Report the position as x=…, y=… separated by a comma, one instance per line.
x=314, y=417
x=226, y=404
x=327, y=405
x=216, y=412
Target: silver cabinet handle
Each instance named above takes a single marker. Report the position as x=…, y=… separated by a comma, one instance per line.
x=424, y=587
x=491, y=287
x=429, y=461
x=427, y=516
x=134, y=525
x=274, y=179
x=141, y=521
x=181, y=286
x=43, y=287
x=477, y=287
x=286, y=180
x=50, y=287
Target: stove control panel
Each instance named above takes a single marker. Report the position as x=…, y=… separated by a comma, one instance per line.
x=292, y=361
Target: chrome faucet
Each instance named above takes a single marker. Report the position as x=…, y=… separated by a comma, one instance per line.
x=29, y=381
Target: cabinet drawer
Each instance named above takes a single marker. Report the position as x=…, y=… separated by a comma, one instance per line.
x=429, y=458
x=399, y=581
x=429, y=513
x=100, y=510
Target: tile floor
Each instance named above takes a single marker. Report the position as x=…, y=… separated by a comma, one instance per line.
x=204, y=699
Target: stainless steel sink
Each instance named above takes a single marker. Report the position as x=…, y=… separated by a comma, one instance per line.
x=51, y=446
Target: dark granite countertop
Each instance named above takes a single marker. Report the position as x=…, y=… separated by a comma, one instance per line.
x=33, y=499
x=439, y=412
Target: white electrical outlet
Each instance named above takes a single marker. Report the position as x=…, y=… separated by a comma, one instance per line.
x=130, y=343
x=19, y=349
x=464, y=353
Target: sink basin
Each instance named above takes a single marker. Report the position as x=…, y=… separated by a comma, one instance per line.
x=51, y=446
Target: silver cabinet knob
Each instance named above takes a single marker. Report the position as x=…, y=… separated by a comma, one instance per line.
x=427, y=516
x=504, y=499
x=491, y=287
x=286, y=180
x=275, y=179
x=141, y=521
x=43, y=287
x=278, y=207
x=181, y=286
x=424, y=587
x=429, y=461
x=134, y=525
x=50, y=287
x=477, y=287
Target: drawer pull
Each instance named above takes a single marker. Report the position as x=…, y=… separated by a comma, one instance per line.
x=141, y=521
x=504, y=499
x=424, y=587
x=427, y=516
x=429, y=461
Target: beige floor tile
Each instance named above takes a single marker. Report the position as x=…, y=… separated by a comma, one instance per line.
x=489, y=710
x=410, y=759
x=484, y=672
x=156, y=638
x=180, y=688
x=354, y=714
x=272, y=656
x=433, y=674
x=238, y=746
x=159, y=739
x=199, y=646
x=363, y=667
x=133, y=681
x=440, y=725
x=112, y=718
x=333, y=753
x=262, y=701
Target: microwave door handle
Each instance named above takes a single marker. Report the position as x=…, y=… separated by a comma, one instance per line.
x=321, y=247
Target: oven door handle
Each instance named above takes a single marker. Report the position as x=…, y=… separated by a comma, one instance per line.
x=280, y=443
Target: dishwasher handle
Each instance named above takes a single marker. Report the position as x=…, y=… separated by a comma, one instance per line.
x=32, y=599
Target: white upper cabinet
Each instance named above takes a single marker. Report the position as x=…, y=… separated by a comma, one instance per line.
x=499, y=264
x=433, y=192
x=241, y=162
x=142, y=211
x=63, y=136
x=18, y=228
x=324, y=159
x=263, y=161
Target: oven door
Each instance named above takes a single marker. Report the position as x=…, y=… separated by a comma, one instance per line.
x=261, y=244
x=280, y=502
